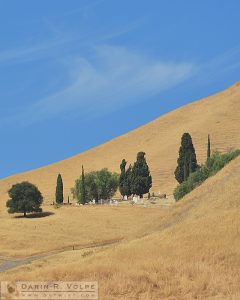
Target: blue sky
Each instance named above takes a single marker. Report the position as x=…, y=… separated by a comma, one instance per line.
x=74, y=74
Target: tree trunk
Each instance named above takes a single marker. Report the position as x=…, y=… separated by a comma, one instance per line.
x=25, y=214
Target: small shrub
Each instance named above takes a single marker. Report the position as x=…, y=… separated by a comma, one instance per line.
x=57, y=205
x=86, y=253
x=181, y=190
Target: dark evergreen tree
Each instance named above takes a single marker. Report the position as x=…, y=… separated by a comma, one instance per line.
x=83, y=189
x=125, y=179
x=185, y=170
x=128, y=182
x=24, y=198
x=209, y=148
x=122, y=178
x=59, y=190
x=187, y=161
x=141, y=180
x=190, y=164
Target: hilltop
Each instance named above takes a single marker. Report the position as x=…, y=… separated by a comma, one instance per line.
x=217, y=115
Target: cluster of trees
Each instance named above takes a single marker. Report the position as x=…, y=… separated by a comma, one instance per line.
x=103, y=184
x=136, y=180
x=187, y=160
x=213, y=164
x=95, y=185
x=189, y=174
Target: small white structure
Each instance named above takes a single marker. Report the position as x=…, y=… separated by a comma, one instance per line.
x=125, y=198
x=136, y=199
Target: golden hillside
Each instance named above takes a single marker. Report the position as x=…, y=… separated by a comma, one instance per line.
x=191, y=252
x=160, y=139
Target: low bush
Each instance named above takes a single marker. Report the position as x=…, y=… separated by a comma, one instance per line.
x=214, y=164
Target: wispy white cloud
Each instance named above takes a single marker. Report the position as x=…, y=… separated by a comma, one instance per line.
x=31, y=52
x=114, y=77
x=212, y=70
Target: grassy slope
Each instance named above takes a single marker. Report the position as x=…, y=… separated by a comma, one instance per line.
x=217, y=115
x=193, y=253
x=74, y=226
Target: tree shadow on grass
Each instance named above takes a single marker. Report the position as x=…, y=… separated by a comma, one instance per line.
x=36, y=215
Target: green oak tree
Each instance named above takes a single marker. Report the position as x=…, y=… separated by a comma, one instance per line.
x=98, y=185
x=24, y=198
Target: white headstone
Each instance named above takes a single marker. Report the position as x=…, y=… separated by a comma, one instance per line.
x=136, y=199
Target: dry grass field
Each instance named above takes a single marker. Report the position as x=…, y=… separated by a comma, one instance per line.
x=189, y=251
x=160, y=139
x=74, y=226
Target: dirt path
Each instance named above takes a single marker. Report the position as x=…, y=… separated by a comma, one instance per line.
x=8, y=263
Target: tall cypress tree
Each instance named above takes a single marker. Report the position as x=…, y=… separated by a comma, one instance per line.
x=125, y=179
x=187, y=161
x=122, y=178
x=128, y=183
x=209, y=148
x=83, y=188
x=59, y=190
x=141, y=180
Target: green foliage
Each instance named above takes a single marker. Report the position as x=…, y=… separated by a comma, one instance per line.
x=59, y=190
x=24, y=198
x=107, y=183
x=141, y=180
x=98, y=185
x=215, y=163
x=125, y=179
x=187, y=161
x=83, y=195
x=122, y=178
x=57, y=205
x=209, y=148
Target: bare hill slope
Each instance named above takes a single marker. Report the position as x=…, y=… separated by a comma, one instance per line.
x=218, y=115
